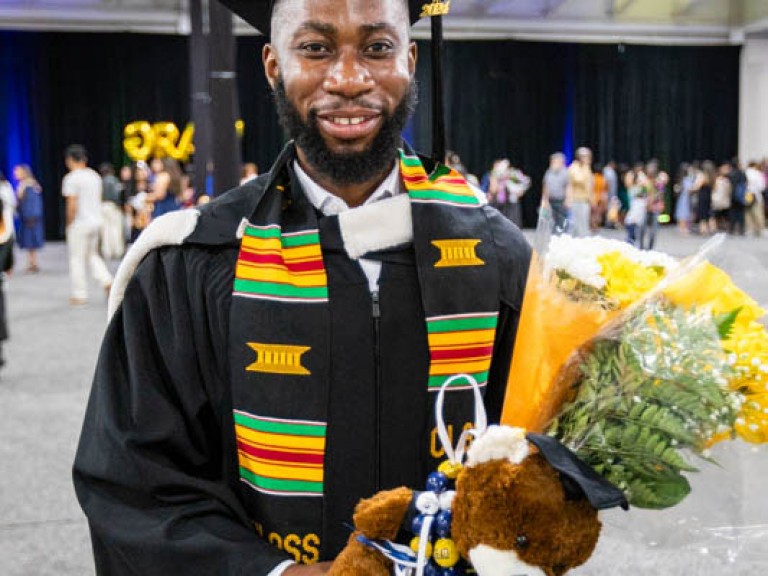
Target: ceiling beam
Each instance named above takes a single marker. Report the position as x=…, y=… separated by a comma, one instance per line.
x=552, y=6
x=686, y=7
x=618, y=7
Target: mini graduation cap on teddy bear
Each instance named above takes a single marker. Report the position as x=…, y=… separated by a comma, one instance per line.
x=519, y=504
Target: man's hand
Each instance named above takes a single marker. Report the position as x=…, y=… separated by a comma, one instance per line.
x=313, y=570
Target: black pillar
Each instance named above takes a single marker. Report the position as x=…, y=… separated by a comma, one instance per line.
x=201, y=96
x=214, y=96
x=223, y=83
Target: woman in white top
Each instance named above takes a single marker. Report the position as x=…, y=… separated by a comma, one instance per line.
x=8, y=201
x=8, y=198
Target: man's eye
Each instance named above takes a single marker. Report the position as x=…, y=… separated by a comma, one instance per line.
x=379, y=48
x=314, y=48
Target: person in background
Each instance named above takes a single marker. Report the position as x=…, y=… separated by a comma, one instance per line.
x=166, y=186
x=554, y=188
x=683, y=189
x=138, y=206
x=488, y=183
x=517, y=184
x=611, y=179
x=764, y=169
x=754, y=201
x=7, y=208
x=705, y=180
x=599, y=199
x=506, y=185
x=637, y=185
x=129, y=190
x=7, y=205
x=736, y=215
x=613, y=210
x=657, y=193
x=453, y=160
x=30, y=207
x=721, y=198
x=8, y=199
x=82, y=190
x=579, y=193
x=250, y=172
x=112, y=201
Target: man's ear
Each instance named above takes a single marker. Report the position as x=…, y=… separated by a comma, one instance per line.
x=271, y=68
x=413, y=57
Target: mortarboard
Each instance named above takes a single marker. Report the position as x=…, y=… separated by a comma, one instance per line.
x=258, y=13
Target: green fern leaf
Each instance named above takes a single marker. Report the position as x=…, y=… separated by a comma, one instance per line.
x=725, y=322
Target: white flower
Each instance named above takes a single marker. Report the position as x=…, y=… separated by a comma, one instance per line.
x=578, y=257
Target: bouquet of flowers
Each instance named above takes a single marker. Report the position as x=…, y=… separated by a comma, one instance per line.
x=636, y=361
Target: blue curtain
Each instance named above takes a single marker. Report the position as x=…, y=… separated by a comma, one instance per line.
x=18, y=70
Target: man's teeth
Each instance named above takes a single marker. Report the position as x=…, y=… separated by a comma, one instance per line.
x=348, y=121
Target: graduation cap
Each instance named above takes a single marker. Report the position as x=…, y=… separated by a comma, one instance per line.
x=258, y=13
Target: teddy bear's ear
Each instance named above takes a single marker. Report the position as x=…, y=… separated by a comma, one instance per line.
x=578, y=478
x=380, y=516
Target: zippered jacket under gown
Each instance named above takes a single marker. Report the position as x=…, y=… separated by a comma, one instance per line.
x=251, y=388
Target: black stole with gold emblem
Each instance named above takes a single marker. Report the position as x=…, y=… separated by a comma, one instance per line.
x=280, y=339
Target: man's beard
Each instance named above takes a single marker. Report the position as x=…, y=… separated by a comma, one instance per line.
x=346, y=167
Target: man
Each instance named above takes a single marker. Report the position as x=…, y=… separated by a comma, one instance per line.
x=579, y=193
x=250, y=172
x=504, y=187
x=278, y=359
x=554, y=189
x=82, y=190
x=754, y=201
x=736, y=216
x=112, y=202
x=656, y=202
x=611, y=180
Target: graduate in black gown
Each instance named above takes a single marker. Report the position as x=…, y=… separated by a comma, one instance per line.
x=275, y=356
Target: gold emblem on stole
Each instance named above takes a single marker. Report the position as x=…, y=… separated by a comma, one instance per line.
x=436, y=8
x=278, y=359
x=455, y=253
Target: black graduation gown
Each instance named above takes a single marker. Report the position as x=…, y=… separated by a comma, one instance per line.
x=156, y=470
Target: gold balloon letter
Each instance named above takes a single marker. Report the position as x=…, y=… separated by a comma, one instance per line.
x=138, y=140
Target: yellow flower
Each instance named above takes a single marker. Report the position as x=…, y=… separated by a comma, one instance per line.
x=752, y=422
x=709, y=286
x=748, y=349
x=627, y=280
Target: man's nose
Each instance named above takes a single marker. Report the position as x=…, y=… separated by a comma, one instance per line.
x=348, y=76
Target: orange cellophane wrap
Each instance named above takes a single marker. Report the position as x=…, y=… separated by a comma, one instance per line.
x=552, y=328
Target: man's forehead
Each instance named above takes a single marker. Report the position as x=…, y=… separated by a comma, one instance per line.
x=259, y=13
x=331, y=15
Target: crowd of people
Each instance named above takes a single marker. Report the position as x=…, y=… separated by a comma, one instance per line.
x=703, y=198
x=105, y=211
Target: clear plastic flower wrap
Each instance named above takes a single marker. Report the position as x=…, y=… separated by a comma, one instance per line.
x=645, y=366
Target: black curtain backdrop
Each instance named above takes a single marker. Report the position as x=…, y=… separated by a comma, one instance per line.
x=520, y=100
x=675, y=104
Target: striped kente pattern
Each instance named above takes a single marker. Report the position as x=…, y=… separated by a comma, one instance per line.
x=280, y=457
x=277, y=266
x=446, y=186
x=461, y=344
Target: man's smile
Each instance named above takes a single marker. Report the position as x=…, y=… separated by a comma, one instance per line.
x=350, y=123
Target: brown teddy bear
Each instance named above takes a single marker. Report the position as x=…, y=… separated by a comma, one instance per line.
x=523, y=506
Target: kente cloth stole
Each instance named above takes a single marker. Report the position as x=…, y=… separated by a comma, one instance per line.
x=280, y=334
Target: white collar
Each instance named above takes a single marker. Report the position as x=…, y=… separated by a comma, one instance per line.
x=331, y=205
